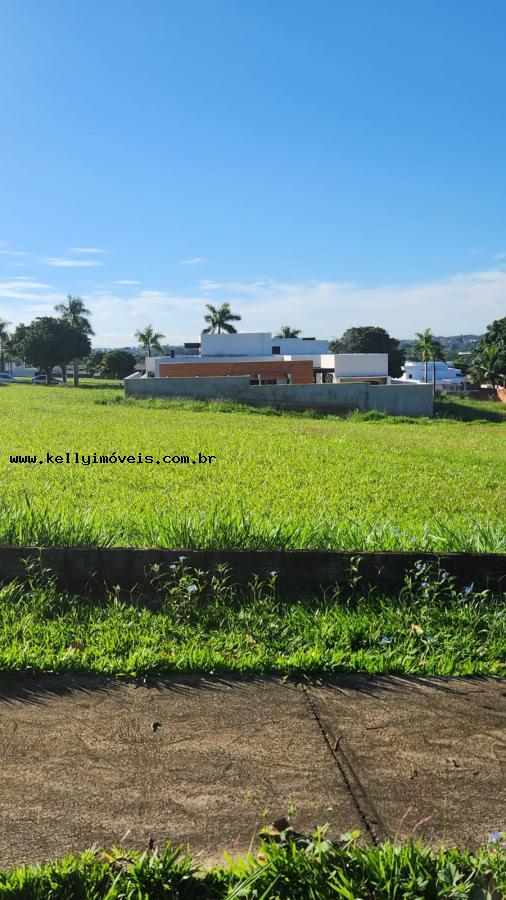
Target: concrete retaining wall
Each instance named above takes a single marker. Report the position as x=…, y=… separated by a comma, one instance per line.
x=81, y=569
x=395, y=399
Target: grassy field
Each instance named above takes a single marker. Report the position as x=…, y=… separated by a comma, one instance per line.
x=203, y=624
x=364, y=482
x=307, y=868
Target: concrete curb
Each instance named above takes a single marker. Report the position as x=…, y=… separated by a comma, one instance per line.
x=93, y=568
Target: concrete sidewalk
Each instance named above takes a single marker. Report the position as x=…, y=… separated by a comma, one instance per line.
x=207, y=762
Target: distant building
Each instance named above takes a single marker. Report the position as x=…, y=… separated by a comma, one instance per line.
x=268, y=360
x=448, y=378
x=286, y=373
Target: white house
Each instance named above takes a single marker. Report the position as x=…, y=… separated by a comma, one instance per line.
x=269, y=360
x=448, y=378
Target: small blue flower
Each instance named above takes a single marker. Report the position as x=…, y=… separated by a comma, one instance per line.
x=273, y=573
x=181, y=558
x=419, y=565
x=191, y=588
x=431, y=640
x=386, y=640
x=425, y=584
x=495, y=836
x=173, y=567
x=444, y=574
x=468, y=589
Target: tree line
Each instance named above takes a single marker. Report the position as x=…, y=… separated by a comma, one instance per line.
x=51, y=341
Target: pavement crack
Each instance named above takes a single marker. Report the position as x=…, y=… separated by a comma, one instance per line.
x=345, y=769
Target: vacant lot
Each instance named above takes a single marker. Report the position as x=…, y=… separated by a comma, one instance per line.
x=277, y=480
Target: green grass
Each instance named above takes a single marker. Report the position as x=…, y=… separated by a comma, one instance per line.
x=280, y=480
x=202, y=624
x=307, y=868
x=463, y=409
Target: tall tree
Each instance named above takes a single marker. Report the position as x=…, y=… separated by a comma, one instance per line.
x=286, y=332
x=48, y=342
x=94, y=362
x=429, y=348
x=150, y=340
x=219, y=319
x=3, y=342
x=495, y=335
x=489, y=361
x=75, y=313
x=489, y=365
x=371, y=339
x=117, y=364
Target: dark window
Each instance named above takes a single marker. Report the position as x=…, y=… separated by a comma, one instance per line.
x=276, y=349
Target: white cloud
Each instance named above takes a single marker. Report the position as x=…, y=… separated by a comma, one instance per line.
x=13, y=253
x=126, y=281
x=87, y=250
x=61, y=263
x=194, y=261
x=20, y=286
x=22, y=299
x=461, y=303
x=499, y=256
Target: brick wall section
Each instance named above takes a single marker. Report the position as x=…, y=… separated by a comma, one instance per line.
x=301, y=372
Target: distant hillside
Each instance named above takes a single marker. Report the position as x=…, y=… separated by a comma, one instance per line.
x=454, y=344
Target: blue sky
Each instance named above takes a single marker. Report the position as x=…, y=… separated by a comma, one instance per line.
x=319, y=164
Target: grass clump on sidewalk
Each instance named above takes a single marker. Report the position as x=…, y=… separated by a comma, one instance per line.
x=307, y=868
x=204, y=624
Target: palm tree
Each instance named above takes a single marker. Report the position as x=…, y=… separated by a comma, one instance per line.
x=219, y=319
x=438, y=352
x=3, y=341
x=286, y=332
x=487, y=364
x=149, y=339
x=429, y=348
x=423, y=347
x=74, y=312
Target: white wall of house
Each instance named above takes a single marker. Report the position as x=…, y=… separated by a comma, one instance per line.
x=258, y=343
x=357, y=365
x=299, y=346
x=414, y=370
x=360, y=365
x=349, y=365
